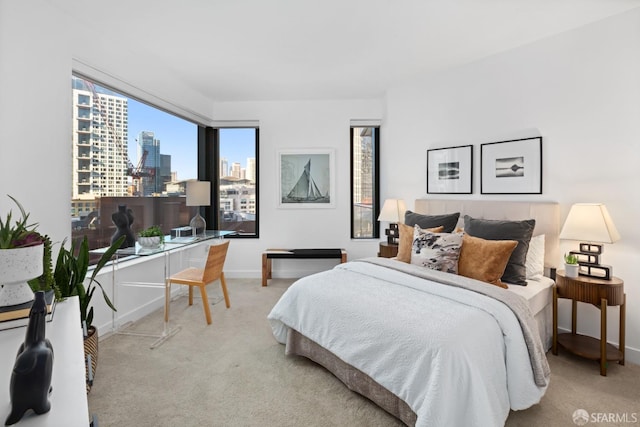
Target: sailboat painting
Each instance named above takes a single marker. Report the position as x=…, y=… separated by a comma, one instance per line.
x=306, y=179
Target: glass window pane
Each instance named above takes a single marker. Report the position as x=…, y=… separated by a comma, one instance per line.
x=363, y=186
x=238, y=180
x=127, y=153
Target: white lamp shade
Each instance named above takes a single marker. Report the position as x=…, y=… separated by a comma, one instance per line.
x=393, y=211
x=198, y=193
x=589, y=222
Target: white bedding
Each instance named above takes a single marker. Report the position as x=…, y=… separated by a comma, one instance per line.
x=455, y=357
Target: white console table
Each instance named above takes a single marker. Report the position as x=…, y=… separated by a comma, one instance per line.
x=68, y=398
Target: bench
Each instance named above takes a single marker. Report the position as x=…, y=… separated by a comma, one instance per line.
x=271, y=254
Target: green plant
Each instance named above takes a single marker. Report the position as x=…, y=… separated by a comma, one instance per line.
x=18, y=235
x=152, y=231
x=71, y=270
x=570, y=258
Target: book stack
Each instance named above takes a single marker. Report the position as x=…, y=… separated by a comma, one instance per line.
x=16, y=316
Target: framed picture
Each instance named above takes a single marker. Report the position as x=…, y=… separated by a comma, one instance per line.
x=511, y=167
x=306, y=178
x=450, y=170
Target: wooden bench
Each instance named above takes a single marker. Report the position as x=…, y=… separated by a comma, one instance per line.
x=270, y=254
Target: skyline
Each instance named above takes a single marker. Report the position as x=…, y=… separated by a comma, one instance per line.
x=177, y=136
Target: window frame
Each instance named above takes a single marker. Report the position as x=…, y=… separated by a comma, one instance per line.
x=375, y=205
x=209, y=170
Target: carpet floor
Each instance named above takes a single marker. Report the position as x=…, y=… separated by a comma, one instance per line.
x=234, y=373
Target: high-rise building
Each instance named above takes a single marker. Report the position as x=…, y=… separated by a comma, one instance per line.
x=251, y=169
x=165, y=171
x=149, y=147
x=224, y=167
x=99, y=143
x=236, y=170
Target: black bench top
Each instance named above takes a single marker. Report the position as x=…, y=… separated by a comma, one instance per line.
x=304, y=253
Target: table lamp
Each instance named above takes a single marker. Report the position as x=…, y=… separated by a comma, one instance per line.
x=393, y=211
x=198, y=194
x=591, y=224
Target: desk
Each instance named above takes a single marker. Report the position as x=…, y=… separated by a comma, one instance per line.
x=166, y=250
x=68, y=399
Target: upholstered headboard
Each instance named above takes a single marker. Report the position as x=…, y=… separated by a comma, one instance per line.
x=546, y=214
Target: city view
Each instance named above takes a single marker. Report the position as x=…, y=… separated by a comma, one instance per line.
x=128, y=153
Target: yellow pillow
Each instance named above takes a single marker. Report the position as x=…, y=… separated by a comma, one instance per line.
x=485, y=260
x=405, y=241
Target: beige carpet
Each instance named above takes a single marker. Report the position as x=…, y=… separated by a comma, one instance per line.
x=234, y=373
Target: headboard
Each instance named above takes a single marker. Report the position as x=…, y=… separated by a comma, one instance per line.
x=546, y=214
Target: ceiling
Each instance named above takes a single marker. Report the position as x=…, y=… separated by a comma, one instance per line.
x=240, y=50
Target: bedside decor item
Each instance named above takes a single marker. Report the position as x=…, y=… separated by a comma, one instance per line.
x=198, y=194
x=571, y=266
x=123, y=219
x=393, y=211
x=306, y=178
x=31, y=375
x=450, y=170
x=511, y=167
x=592, y=224
x=151, y=237
x=21, y=258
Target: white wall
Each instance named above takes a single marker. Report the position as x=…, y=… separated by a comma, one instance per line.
x=581, y=92
x=296, y=125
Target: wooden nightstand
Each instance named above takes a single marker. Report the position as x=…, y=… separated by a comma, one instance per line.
x=388, y=250
x=601, y=293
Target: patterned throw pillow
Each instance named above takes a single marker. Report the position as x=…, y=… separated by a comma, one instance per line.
x=406, y=241
x=438, y=251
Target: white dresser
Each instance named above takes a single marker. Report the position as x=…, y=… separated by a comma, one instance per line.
x=69, y=406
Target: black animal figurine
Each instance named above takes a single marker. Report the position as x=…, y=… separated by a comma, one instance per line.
x=31, y=377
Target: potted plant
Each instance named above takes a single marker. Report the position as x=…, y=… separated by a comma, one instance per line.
x=151, y=237
x=571, y=267
x=21, y=258
x=69, y=274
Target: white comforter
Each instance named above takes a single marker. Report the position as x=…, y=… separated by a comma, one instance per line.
x=457, y=358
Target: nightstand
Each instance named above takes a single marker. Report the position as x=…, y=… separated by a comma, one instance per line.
x=601, y=293
x=388, y=250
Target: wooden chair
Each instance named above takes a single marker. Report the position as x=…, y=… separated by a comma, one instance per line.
x=201, y=277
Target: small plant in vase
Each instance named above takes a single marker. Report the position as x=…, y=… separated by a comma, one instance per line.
x=571, y=266
x=151, y=237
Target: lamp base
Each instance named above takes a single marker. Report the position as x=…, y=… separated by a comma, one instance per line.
x=599, y=271
x=589, y=261
x=392, y=234
x=198, y=225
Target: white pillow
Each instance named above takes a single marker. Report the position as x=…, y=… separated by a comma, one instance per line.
x=535, y=258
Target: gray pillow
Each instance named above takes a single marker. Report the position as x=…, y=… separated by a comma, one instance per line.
x=516, y=271
x=448, y=221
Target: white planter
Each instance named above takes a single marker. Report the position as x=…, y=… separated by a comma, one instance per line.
x=150, y=242
x=571, y=270
x=18, y=266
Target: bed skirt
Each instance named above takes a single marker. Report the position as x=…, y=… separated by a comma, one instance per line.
x=354, y=379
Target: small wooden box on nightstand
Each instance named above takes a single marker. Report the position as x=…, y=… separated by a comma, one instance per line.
x=388, y=250
x=601, y=293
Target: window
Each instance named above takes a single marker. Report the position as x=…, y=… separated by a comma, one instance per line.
x=236, y=172
x=365, y=179
x=127, y=153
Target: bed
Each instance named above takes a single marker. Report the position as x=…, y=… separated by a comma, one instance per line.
x=429, y=347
